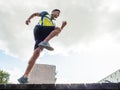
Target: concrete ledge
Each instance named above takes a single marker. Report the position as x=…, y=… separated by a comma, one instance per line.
x=87, y=86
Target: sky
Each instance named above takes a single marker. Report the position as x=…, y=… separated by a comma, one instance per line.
x=86, y=51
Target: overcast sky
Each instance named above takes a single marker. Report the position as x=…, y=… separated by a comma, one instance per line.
x=87, y=50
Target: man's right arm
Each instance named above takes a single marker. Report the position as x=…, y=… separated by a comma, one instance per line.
x=33, y=15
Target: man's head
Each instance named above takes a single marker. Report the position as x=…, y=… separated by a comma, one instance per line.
x=55, y=13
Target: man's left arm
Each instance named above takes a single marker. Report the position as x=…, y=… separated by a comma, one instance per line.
x=64, y=23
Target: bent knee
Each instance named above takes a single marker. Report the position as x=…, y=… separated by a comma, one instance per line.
x=57, y=30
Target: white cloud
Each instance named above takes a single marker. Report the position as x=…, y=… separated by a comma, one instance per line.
x=100, y=56
x=83, y=25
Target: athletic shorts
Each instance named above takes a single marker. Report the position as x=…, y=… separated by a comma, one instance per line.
x=41, y=32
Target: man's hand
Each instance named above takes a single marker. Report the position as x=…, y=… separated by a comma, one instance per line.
x=31, y=16
x=27, y=21
x=64, y=23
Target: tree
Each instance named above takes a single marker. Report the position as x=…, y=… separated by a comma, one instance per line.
x=4, y=77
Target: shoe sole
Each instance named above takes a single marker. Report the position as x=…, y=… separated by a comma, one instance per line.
x=46, y=47
x=21, y=82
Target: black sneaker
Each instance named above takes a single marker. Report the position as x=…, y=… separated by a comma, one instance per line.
x=23, y=80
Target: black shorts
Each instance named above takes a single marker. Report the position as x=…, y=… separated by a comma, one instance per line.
x=41, y=32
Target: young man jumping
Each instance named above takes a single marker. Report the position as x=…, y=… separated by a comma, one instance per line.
x=44, y=31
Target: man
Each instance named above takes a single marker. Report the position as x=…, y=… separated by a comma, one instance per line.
x=44, y=31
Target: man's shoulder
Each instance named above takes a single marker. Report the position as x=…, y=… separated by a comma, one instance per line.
x=43, y=13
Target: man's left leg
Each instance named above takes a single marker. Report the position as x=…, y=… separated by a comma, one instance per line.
x=45, y=43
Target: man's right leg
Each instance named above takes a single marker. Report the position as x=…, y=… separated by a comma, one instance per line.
x=31, y=63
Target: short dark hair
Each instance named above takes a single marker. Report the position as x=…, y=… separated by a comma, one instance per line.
x=55, y=10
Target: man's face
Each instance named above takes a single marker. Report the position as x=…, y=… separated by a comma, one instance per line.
x=55, y=14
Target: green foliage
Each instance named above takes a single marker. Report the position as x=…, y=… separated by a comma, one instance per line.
x=4, y=77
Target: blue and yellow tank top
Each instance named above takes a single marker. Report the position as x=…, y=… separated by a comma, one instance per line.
x=45, y=20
